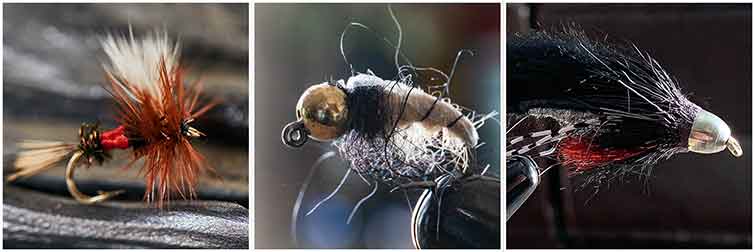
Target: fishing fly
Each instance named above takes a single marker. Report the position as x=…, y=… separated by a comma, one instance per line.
x=608, y=111
x=155, y=112
x=391, y=132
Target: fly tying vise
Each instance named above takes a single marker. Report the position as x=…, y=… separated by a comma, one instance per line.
x=617, y=111
x=155, y=112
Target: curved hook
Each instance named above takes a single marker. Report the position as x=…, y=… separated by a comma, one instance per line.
x=80, y=197
x=295, y=134
x=420, y=223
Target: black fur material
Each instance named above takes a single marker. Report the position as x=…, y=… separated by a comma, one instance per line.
x=568, y=71
x=369, y=112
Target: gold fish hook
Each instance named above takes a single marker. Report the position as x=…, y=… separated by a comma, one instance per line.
x=80, y=197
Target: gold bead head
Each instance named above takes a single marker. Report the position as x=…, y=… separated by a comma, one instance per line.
x=323, y=110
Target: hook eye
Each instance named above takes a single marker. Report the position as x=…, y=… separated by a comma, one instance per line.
x=295, y=134
x=733, y=145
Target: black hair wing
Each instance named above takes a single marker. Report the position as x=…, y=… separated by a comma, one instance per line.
x=637, y=102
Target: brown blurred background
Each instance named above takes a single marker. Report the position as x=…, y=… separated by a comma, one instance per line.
x=691, y=201
x=297, y=45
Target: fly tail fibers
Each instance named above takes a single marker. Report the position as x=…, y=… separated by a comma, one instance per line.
x=37, y=156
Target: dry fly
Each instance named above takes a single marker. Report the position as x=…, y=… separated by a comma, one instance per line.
x=155, y=111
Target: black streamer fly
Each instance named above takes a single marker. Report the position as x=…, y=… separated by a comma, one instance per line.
x=608, y=111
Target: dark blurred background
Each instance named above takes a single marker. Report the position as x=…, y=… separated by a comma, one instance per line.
x=691, y=200
x=297, y=45
x=53, y=81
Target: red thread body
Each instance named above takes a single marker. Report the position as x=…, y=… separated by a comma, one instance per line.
x=114, y=139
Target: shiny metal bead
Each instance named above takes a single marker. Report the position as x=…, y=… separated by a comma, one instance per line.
x=323, y=110
x=710, y=134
